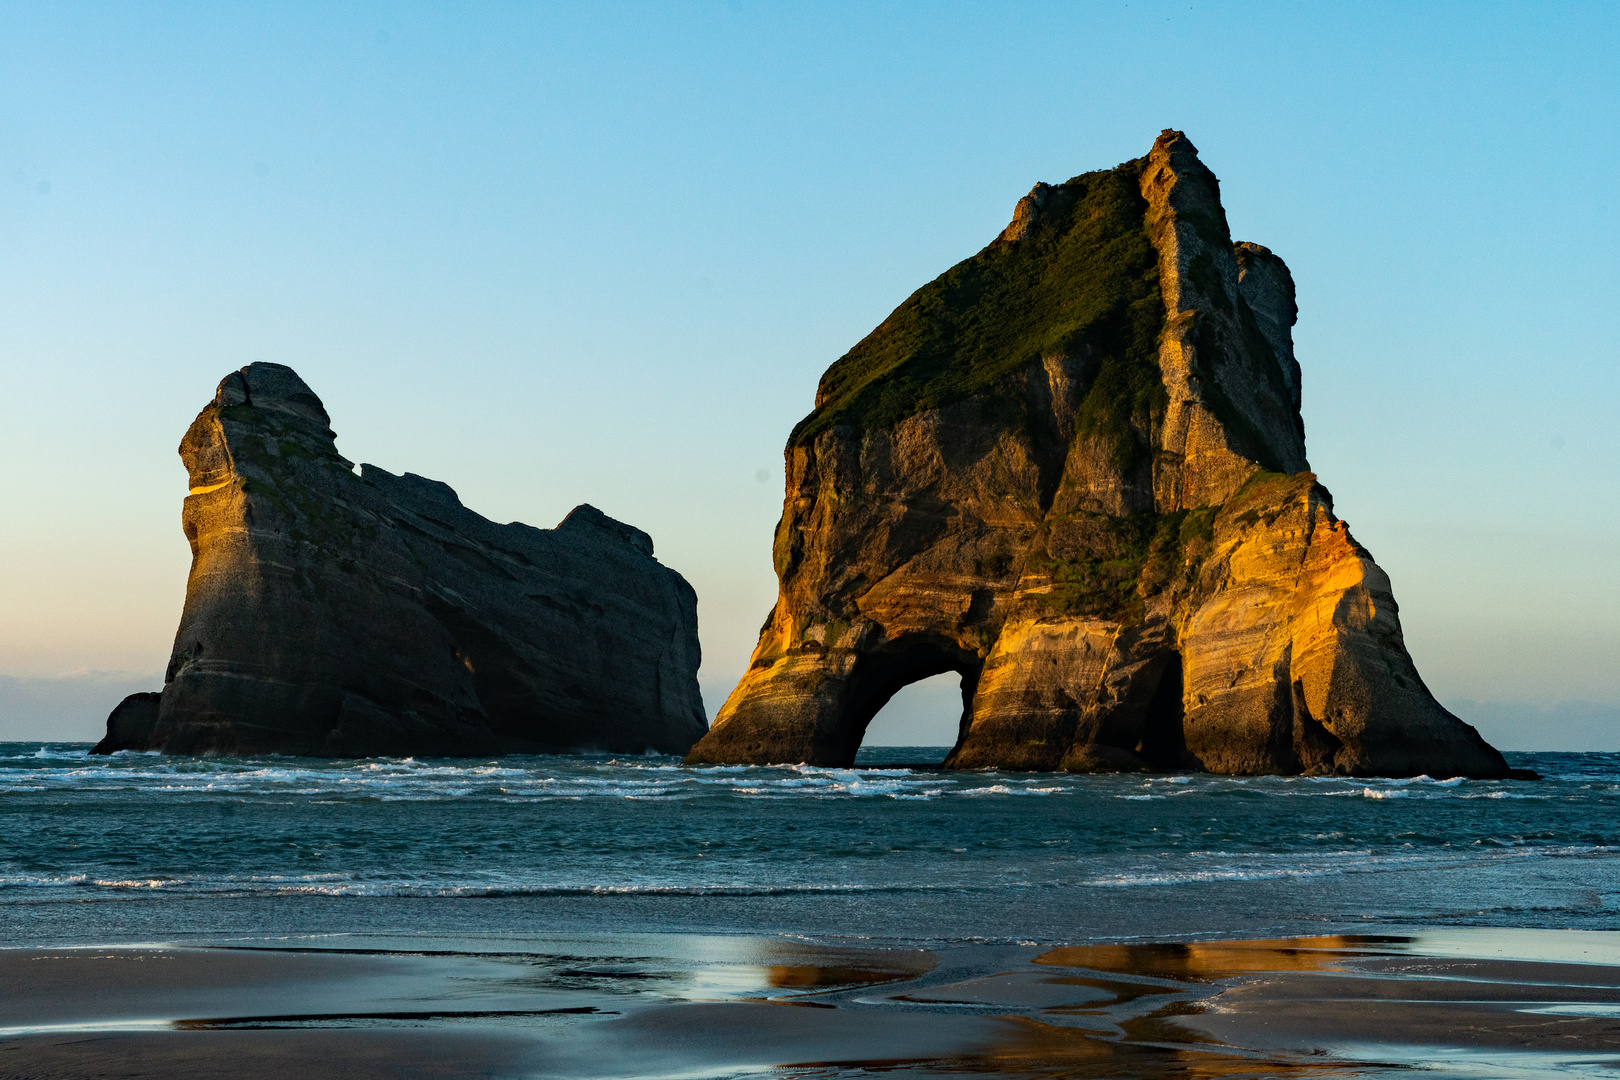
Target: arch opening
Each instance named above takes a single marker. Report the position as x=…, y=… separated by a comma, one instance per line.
x=882, y=674
x=919, y=725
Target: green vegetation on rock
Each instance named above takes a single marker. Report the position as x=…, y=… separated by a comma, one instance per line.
x=1266, y=496
x=1083, y=279
x=269, y=452
x=1117, y=563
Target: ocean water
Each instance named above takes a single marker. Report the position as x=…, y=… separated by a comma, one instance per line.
x=145, y=847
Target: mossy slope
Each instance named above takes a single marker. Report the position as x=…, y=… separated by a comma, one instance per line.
x=1084, y=277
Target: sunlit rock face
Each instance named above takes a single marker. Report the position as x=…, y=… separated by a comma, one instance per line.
x=1073, y=470
x=335, y=614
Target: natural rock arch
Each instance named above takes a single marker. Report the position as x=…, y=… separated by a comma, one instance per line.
x=1073, y=469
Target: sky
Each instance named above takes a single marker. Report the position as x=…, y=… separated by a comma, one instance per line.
x=553, y=254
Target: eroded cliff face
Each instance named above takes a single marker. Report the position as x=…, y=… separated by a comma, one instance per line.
x=1073, y=470
x=341, y=615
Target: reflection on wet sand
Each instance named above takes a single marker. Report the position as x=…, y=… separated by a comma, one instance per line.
x=1388, y=1001
x=690, y=1006
x=1032, y=1048
x=1206, y=960
x=873, y=971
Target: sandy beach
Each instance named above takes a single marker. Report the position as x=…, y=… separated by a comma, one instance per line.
x=1484, y=1003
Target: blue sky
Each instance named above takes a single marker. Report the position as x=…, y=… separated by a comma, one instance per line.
x=554, y=254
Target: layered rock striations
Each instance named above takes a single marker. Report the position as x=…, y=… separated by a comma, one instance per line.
x=335, y=614
x=1072, y=469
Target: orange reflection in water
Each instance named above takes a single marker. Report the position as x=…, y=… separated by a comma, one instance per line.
x=804, y=976
x=1200, y=961
x=1032, y=1048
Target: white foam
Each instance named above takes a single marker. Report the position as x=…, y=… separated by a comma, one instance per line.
x=39, y=881
x=1189, y=877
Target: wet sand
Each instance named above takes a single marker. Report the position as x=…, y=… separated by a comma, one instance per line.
x=1484, y=1003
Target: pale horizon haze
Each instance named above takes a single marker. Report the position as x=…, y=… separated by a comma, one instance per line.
x=554, y=254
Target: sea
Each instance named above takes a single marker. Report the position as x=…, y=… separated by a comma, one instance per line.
x=139, y=847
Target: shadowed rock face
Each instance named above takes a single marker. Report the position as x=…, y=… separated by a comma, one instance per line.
x=340, y=615
x=1073, y=470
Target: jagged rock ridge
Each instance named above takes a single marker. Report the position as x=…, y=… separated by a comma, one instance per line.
x=1073, y=470
x=340, y=615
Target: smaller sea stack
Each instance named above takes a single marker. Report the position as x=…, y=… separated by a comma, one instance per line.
x=341, y=615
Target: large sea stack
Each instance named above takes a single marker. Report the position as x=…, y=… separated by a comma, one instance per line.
x=335, y=614
x=1072, y=469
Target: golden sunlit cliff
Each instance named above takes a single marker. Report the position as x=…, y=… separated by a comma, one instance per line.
x=1072, y=469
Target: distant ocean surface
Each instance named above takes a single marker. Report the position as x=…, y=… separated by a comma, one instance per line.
x=139, y=847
